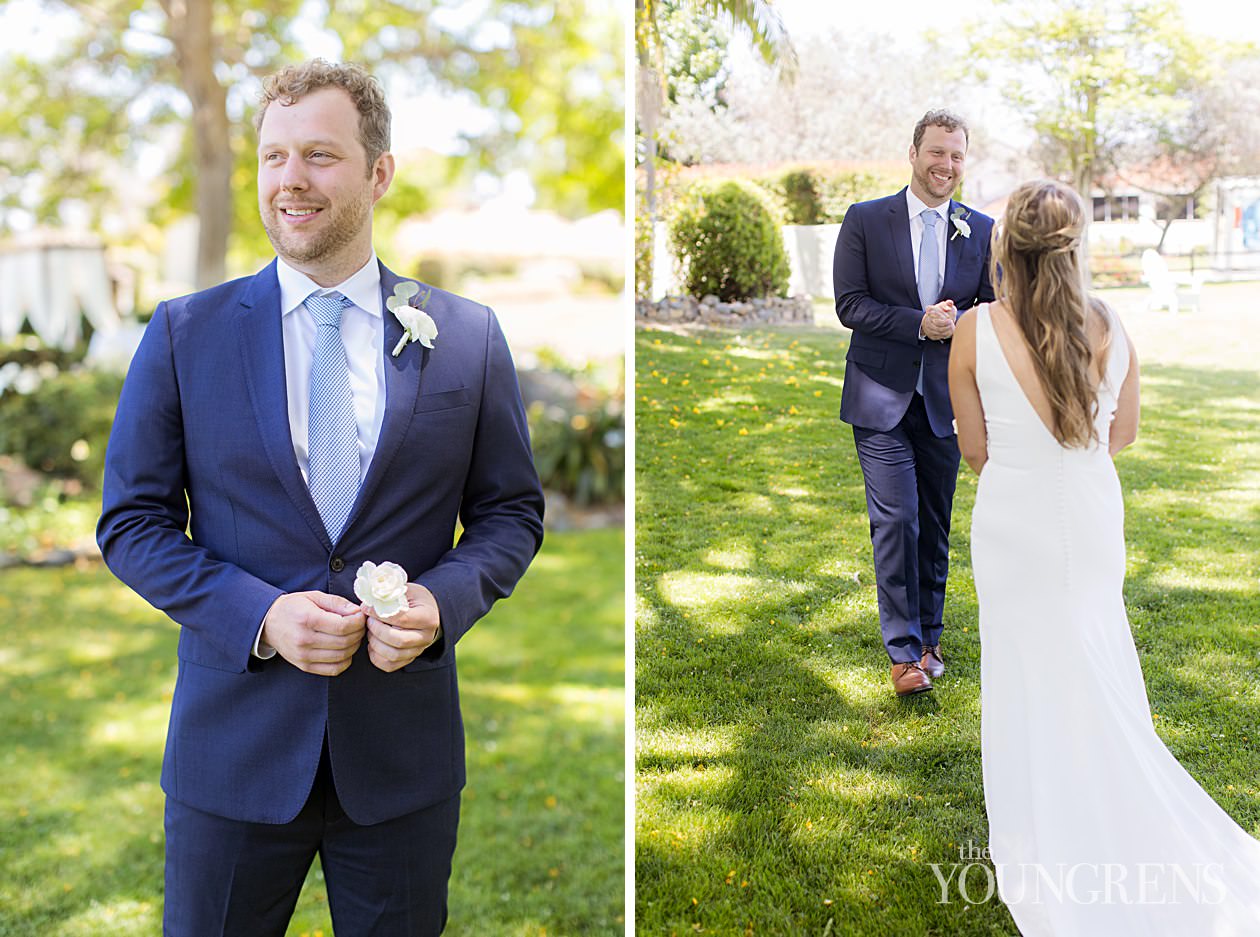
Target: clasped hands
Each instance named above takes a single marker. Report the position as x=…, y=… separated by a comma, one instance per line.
x=938, y=320
x=319, y=633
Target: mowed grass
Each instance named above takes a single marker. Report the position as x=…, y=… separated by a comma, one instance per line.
x=88, y=672
x=781, y=787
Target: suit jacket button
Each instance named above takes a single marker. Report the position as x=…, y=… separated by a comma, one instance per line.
x=337, y=564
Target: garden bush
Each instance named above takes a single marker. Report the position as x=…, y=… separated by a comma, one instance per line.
x=727, y=240
x=60, y=425
x=802, y=197
x=818, y=194
x=583, y=454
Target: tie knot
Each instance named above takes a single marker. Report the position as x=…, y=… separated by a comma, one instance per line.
x=931, y=217
x=326, y=309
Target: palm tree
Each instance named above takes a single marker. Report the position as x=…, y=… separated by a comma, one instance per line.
x=758, y=17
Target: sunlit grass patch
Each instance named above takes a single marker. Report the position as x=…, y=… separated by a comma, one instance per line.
x=84, y=708
x=768, y=732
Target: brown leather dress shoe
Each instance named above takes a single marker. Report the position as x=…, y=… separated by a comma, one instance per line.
x=932, y=663
x=909, y=678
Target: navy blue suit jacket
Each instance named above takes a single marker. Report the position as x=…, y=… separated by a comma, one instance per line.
x=202, y=435
x=877, y=296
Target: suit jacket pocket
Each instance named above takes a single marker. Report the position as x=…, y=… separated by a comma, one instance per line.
x=867, y=356
x=442, y=400
x=424, y=663
x=193, y=650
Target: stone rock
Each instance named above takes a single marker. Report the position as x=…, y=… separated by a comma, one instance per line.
x=710, y=310
x=51, y=558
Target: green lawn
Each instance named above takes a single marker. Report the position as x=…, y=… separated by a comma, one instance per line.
x=781, y=787
x=88, y=671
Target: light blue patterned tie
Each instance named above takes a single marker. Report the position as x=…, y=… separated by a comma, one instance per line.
x=332, y=433
x=929, y=272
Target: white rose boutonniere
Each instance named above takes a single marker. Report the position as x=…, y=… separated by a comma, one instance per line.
x=418, y=325
x=959, y=218
x=383, y=587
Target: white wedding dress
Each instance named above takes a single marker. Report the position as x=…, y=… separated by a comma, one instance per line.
x=1095, y=829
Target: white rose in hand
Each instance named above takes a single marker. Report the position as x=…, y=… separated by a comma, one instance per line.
x=383, y=587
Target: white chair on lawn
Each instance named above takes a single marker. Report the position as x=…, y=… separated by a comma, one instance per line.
x=1169, y=290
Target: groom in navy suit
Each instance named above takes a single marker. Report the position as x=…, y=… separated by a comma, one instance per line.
x=906, y=267
x=273, y=434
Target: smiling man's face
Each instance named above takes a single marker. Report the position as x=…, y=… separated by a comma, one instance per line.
x=315, y=189
x=937, y=164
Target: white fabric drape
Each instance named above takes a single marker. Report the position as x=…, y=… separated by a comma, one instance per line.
x=54, y=288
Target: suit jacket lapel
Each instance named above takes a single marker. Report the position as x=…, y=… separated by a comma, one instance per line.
x=899, y=232
x=262, y=353
x=402, y=384
x=953, y=249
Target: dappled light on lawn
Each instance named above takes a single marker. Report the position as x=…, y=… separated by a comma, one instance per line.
x=769, y=742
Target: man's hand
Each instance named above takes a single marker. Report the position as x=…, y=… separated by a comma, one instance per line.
x=314, y=631
x=396, y=641
x=938, y=320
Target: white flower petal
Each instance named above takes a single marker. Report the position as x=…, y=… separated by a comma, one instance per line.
x=383, y=587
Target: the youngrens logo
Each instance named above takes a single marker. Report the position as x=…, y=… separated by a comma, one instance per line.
x=975, y=879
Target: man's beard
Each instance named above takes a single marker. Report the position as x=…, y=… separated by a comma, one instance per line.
x=340, y=228
x=930, y=185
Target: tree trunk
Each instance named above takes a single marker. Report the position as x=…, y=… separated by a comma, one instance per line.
x=649, y=124
x=190, y=28
x=650, y=100
x=1163, y=235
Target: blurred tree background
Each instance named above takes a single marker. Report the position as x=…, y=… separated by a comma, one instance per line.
x=104, y=94
x=127, y=126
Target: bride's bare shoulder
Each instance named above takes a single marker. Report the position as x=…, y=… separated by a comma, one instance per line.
x=1102, y=318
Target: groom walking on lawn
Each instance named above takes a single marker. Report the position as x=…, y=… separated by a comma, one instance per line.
x=275, y=433
x=906, y=267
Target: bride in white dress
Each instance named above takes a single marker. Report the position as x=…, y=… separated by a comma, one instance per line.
x=1094, y=827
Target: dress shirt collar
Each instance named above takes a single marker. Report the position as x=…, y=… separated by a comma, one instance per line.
x=916, y=206
x=363, y=288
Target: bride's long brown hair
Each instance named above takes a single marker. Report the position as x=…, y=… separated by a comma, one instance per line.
x=1039, y=276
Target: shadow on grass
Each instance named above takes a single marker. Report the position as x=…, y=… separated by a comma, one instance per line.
x=782, y=787
x=89, y=670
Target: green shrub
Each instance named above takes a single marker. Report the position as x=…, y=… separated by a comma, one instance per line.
x=802, y=197
x=581, y=454
x=61, y=427
x=816, y=194
x=642, y=257
x=727, y=240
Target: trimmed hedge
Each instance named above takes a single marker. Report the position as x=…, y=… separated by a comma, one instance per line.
x=727, y=240
x=811, y=195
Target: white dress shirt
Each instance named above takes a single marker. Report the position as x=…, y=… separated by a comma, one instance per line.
x=916, y=207
x=362, y=334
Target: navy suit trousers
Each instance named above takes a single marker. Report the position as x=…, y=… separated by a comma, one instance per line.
x=229, y=878
x=910, y=476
